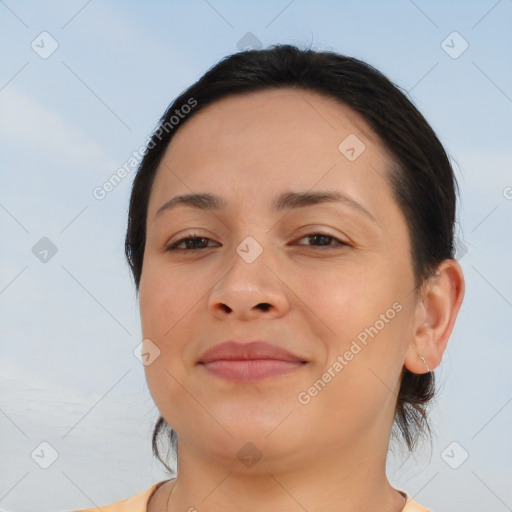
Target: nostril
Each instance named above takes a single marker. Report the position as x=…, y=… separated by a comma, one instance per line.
x=264, y=306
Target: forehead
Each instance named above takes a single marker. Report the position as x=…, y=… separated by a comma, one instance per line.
x=279, y=138
x=285, y=113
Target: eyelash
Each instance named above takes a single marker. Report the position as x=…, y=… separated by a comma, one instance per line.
x=193, y=236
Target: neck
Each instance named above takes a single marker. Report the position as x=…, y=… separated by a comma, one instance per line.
x=347, y=481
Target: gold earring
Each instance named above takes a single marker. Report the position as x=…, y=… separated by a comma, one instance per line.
x=424, y=360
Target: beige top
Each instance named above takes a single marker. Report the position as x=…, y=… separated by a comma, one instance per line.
x=139, y=503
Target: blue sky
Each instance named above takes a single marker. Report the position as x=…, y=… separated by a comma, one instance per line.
x=69, y=121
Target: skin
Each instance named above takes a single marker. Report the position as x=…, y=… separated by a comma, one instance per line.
x=329, y=454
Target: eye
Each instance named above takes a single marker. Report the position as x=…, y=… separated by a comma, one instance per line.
x=192, y=243
x=323, y=240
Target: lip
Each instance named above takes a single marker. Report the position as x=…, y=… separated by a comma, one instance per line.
x=246, y=361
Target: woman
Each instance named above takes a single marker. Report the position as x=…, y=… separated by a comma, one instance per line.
x=291, y=240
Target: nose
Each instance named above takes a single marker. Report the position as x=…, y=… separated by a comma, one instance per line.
x=249, y=291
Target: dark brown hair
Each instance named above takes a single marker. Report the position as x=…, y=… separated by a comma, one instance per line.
x=421, y=177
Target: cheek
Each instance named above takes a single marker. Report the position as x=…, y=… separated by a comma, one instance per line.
x=165, y=301
x=364, y=310
x=343, y=295
x=166, y=296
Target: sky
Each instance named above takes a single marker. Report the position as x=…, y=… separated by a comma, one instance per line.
x=82, y=85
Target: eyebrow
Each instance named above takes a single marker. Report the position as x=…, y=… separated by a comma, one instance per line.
x=285, y=201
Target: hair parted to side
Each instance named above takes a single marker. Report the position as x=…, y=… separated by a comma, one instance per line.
x=421, y=176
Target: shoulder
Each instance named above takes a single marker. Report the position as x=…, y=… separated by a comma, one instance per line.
x=137, y=503
x=412, y=506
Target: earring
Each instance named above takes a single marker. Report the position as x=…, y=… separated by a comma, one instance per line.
x=426, y=364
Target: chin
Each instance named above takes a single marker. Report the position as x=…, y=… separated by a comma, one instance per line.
x=251, y=452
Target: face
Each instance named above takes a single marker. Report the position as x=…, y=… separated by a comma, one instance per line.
x=329, y=280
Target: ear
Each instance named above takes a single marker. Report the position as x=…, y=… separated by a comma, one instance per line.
x=436, y=311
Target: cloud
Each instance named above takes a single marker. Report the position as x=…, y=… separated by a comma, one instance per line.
x=26, y=125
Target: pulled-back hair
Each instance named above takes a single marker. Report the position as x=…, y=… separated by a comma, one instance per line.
x=421, y=176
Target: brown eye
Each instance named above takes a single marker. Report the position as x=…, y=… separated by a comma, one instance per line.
x=191, y=243
x=323, y=240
